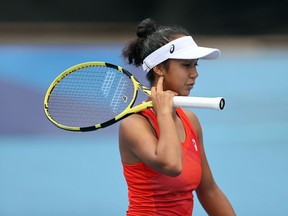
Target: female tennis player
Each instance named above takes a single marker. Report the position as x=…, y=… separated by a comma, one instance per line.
x=162, y=148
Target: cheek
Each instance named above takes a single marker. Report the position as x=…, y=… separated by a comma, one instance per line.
x=175, y=79
x=180, y=78
x=181, y=83
x=176, y=82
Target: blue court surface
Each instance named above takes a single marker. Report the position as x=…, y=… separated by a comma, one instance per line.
x=45, y=171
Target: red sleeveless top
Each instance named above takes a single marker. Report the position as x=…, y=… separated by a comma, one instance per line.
x=151, y=193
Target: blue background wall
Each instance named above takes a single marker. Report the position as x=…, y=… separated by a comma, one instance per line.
x=47, y=171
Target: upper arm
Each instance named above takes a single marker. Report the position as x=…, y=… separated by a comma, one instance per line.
x=137, y=137
x=138, y=142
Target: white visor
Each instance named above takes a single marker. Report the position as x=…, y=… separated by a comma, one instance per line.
x=181, y=48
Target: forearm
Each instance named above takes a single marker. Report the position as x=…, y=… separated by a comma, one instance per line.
x=215, y=203
x=169, y=150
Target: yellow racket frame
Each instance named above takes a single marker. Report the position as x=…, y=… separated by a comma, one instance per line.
x=127, y=111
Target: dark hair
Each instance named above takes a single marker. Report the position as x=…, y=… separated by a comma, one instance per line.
x=150, y=37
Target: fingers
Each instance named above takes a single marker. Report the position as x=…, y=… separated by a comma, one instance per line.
x=158, y=88
x=162, y=99
x=160, y=84
x=153, y=91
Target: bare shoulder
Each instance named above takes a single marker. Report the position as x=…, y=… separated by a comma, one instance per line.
x=131, y=126
x=132, y=123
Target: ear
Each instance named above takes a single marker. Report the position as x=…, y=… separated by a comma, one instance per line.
x=158, y=69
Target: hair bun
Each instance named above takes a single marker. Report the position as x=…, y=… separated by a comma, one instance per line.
x=145, y=28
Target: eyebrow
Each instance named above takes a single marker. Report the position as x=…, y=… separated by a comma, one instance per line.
x=188, y=60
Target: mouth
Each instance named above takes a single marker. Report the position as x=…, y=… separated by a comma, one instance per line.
x=190, y=85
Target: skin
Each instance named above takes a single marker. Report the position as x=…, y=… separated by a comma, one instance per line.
x=165, y=154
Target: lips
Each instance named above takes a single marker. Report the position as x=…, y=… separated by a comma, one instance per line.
x=190, y=85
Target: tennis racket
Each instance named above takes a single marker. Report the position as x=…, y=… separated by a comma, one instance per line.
x=94, y=95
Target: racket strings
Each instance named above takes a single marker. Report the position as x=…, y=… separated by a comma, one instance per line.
x=119, y=94
x=89, y=96
x=107, y=84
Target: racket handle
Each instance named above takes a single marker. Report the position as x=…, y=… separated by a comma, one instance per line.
x=216, y=103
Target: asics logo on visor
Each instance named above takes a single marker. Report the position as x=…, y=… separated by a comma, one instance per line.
x=172, y=48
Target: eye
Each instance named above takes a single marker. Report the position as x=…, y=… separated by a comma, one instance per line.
x=187, y=63
x=190, y=63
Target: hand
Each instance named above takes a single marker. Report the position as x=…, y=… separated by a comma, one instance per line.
x=162, y=100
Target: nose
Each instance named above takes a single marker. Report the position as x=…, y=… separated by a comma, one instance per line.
x=194, y=73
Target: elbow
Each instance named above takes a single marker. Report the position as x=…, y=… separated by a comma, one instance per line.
x=173, y=169
x=174, y=173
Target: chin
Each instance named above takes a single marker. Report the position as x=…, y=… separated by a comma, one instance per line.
x=185, y=93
